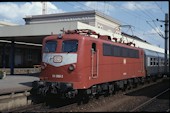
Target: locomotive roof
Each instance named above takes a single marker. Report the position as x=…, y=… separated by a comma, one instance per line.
x=74, y=32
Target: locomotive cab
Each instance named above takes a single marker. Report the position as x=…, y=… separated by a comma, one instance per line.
x=59, y=65
x=69, y=61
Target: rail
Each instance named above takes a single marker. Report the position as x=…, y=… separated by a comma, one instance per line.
x=149, y=101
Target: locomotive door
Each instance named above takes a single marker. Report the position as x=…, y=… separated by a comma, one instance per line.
x=94, y=55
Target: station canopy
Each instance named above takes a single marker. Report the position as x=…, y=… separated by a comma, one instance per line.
x=33, y=33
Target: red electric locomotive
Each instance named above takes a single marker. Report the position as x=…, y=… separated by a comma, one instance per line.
x=75, y=63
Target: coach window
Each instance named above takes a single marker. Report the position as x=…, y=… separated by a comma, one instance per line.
x=151, y=61
x=154, y=61
x=157, y=61
x=94, y=47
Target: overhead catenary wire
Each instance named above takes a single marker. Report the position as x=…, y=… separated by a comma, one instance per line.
x=125, y=10
x=147, y=12
x=144, y=18
x=147, y=15
x=160, y=34
x=136, y=15
x=159, y=8
x=157, y=27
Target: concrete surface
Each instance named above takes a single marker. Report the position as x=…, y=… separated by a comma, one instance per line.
x=14, y=83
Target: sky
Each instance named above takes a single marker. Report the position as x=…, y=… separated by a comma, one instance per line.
x=141, y=16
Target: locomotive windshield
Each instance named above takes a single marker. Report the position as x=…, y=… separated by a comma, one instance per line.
x=50, y=46
x=70, y=46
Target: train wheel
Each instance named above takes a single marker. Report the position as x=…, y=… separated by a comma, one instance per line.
x=135, y=85
x=79, y=97
x=154, y=78
x=142, y=81
x=129, y=86
x=86, y=99
x=78, y=101
x=113, y=89
x=148, y=81
x=82, y=97
x=97, y=96
x=106, y=93
x=125, y=87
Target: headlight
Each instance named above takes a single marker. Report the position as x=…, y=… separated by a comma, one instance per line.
x=72, y=67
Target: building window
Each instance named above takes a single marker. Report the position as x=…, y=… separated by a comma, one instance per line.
x=100, y=26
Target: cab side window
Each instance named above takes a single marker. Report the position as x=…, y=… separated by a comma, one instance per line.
x=94, y=47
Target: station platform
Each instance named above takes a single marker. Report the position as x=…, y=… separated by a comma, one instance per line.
x=16, y=83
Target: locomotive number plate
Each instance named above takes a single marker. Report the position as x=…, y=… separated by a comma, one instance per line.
x=57, y=76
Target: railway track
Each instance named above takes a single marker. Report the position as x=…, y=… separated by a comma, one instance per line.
x=42, y=107
x=134, y=98
x=73, y=107
x=25, y=108
x=45, y=107
x=141, y=107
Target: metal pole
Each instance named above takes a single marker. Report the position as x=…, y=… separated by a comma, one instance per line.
x=12, y=55
x=166, y=38
x=3, y=56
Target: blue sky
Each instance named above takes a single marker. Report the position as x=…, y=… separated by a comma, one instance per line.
x=140, y=15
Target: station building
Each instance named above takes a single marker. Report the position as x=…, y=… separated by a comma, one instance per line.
x=20, y=45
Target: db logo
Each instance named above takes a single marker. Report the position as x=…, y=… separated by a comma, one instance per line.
x=57, y=59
